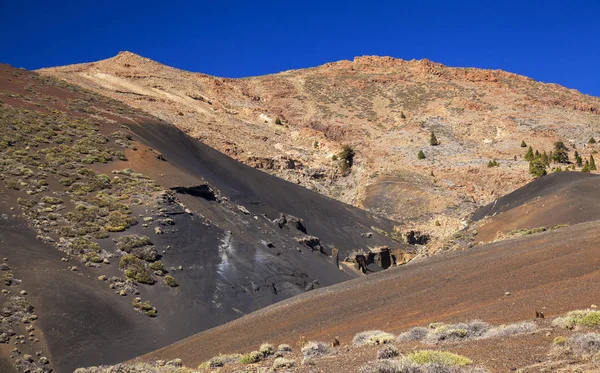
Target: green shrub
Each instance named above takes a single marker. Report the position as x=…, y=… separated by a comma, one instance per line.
x=420, y=155
x=281, y=362
x=135, y=269
x=129, y=242
x=346, y=157
x=252, y=357
x=278, y=121
x=584, y=318
x=433, y=141
x=145, y=307
x=170, y=281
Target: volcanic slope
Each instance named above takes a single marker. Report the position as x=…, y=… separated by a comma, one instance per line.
x=508, y=281
x=120, y=234
x=385, y=108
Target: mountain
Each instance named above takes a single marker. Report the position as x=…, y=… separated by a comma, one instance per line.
x=120, y=234
x=385, y=108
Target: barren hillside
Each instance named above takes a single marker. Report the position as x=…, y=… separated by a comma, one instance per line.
x=384, y=108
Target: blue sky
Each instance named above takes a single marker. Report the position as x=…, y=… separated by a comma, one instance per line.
x=550, y=41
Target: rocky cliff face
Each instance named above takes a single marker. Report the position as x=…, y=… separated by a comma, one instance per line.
x=292, y=124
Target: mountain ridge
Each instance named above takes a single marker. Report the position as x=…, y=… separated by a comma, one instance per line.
x=385, y=108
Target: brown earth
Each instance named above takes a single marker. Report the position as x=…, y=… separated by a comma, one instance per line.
x=384, y=107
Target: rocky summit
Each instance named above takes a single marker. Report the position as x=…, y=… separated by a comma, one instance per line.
x=295, y=124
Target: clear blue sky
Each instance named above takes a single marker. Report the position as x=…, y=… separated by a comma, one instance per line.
x=551, y=41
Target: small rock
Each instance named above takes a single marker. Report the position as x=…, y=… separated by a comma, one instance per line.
x=23, y=292
x=102, y=278
x=157, y=230
x=507, y=293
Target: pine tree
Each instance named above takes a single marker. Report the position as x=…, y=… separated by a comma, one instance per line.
x=347, y=158
x=537, y=168
x=545, y=159
x=420, y=155
x=523, y=145
x=560, y=153
x=591, y=141
x=278, y=121
x=586, y=166
x=433, y=141
x=578, y=159
x=592, y=163
x=529, y=154
x=537, y=155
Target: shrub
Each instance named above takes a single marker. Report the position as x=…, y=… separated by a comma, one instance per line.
x=281, y=362
x=585, y=318
x=388, y=352
x=585, y=344
x=493, y=163
x=592, y=163
x=559, y=341
x=129, y=242
x=461, y=331
x=157, y=266
x=414, y=334
x=431, y=357
x=591, y=141
x=346, y=157
x=267, y=349
x=145, y=307
x=523, y=145
x=315, y=349
x=170, y=281
x=135, y=269
x=372, y=337
x=420, y=155
x=510, y=330
x=433, y=141
x=278, y=121
x=284, y=348
x=221, y=360
x=252, y=357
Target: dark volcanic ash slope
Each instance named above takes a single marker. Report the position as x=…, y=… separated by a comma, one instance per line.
x=120, y=234
x=551, y=202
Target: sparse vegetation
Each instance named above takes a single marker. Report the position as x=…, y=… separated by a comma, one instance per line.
x=579, y=318
x=420, y=155
x=372, y=338
x=523, y=144
x=493, y=163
